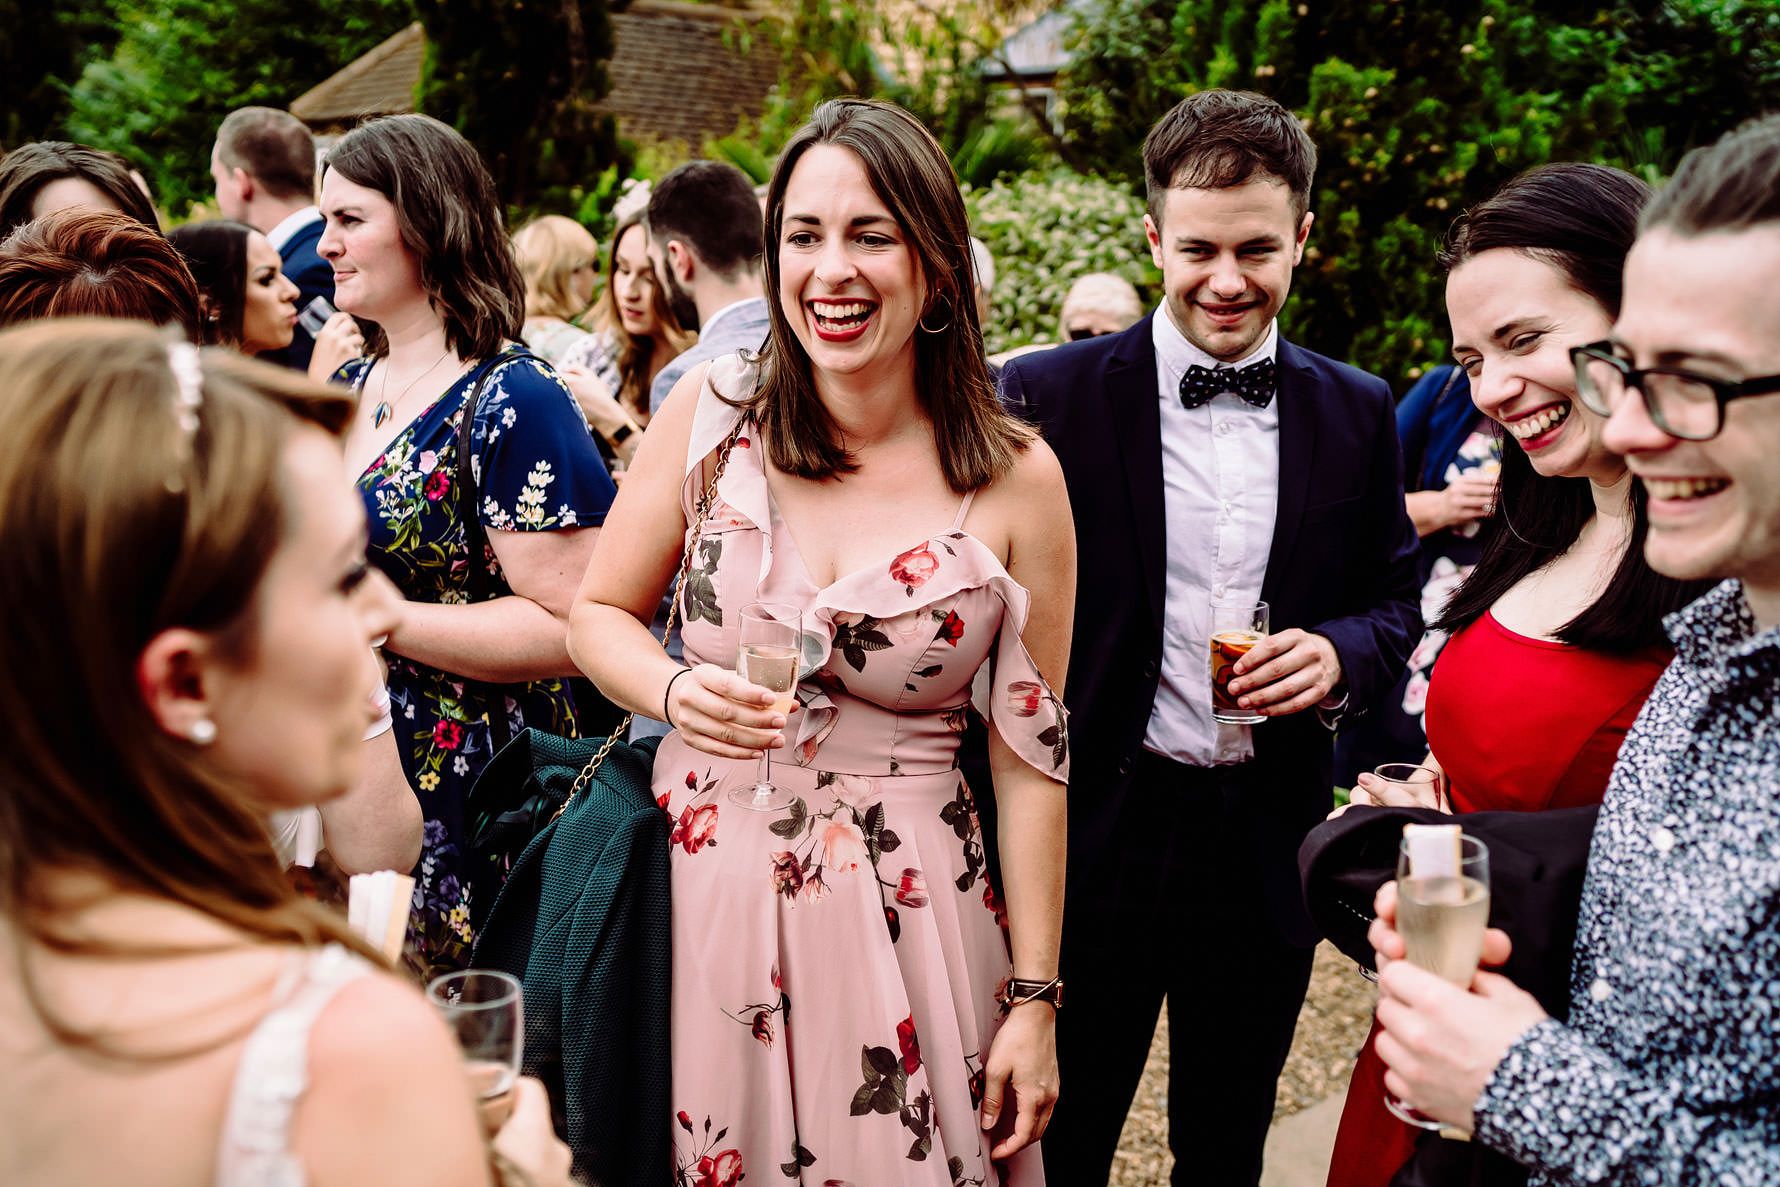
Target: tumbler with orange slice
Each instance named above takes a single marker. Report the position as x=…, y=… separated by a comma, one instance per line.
x=1234, y=629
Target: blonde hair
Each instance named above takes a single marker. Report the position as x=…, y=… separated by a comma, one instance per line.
x=550, y=250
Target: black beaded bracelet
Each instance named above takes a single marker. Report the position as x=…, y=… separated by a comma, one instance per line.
x=669, y=692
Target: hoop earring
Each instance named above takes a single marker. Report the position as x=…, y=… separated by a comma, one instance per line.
x=922, y=325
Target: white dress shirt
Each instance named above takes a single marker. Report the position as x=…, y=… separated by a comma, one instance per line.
x=1220, y=493
x=280, y=235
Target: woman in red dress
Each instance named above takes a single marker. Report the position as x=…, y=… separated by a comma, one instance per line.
x=1556, y=636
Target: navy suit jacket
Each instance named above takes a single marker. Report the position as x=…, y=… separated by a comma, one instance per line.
x=314, y=277
x=1342, y=563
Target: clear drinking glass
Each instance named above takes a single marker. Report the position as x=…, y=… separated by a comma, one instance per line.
x=485, y=1009
x=770, y=655
x=1407, y=785
x=1442, y=919
x=1234, y=629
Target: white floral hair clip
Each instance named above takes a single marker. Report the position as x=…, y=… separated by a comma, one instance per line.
x=188, y=378
x=633, y=197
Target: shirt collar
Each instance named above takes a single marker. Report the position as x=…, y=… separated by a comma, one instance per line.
x=1718, y=628
x=280, y=235
x=1176, y=354
x=705, y=329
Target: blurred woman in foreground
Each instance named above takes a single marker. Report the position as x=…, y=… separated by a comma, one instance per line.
x=195, y=656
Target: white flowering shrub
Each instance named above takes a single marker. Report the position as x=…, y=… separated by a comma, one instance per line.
x=1045, y=230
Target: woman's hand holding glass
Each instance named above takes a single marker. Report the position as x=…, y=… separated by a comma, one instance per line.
x=720, y=713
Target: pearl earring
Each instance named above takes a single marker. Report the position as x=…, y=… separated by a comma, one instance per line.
x=203, y=731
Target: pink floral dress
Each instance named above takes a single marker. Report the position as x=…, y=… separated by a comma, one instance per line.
x=836, y=961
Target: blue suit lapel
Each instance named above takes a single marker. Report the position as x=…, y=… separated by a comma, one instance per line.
x=1298, y=415
x=1137, y=427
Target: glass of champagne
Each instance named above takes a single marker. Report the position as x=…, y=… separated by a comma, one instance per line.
x=770, y=654
x=1235, y=627
x=1443, y=907
x=1407, y=785
x=485, y=1009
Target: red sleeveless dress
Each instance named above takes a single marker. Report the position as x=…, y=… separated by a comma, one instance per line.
x=1520, y=725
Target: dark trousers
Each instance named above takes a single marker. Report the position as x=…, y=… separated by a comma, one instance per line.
x=1174, y=908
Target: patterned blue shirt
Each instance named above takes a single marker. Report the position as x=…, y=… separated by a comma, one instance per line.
x=1668, y=1071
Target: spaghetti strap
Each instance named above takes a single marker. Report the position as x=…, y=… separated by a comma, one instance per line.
x=963, y=510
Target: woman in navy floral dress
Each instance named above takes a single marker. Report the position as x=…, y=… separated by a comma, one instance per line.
x=437, y=276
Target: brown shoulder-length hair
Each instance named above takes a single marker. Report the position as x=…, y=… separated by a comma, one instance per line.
x=978, y=442
x=96, y=263
x=636, y=352
x=28, y=168
x=450, y=221
x=105, y=554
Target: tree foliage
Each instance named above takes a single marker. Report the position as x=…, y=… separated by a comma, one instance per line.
x=179, y=66
x=42, y=50
x=519, y=78
x=1418, y=111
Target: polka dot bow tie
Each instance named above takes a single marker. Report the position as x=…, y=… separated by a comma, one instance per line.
x=1253, y=383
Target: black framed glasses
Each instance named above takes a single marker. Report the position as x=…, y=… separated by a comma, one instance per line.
x=1680, y=402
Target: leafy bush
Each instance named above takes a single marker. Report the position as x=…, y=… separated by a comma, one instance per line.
x=1419, y=111
x=1045, y=230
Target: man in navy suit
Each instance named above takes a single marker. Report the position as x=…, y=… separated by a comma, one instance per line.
x=264, y=168
x=1208, y=460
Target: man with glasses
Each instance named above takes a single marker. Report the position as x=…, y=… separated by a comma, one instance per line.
x=1667, y=1070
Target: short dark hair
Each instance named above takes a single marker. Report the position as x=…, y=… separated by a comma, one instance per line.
x=450, y=222
x=29, y=167
x=709, y=206
x=1217, y=139
x=1580, y=220
x=1728, y=186
x=271, y=145
x=95, y=263
x=216, y=252
x=977, y=440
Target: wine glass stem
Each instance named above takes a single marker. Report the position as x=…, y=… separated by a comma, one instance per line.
x=766, y=772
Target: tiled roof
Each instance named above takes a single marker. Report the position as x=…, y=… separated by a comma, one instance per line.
x=673, y=76
x=381, y=82
x=678, y=72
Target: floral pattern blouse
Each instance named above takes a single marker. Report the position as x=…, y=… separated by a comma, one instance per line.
x=536, y=470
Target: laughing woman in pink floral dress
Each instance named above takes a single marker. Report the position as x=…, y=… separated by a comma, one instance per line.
x=838, y=962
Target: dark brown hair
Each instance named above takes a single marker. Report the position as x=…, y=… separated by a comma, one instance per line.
x=106, y=556
x=709, y=206
x=1217, y=139
x=216, y=252
x=978, y=442
x=28, y=168
x=450, y=222
x=1728, y=186
x=95, y=263
x=636, y=352
x=1581, y=220
x=273, y=146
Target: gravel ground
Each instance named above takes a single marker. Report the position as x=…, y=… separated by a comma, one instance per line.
x=1337, y=1012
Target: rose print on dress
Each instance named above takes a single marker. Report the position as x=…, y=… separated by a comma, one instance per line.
x=758, y=1016
x=913, y=568
x=951, y=627
x=853, y=639
x=707, y=1166
x=697, y=826
x=886, y=1087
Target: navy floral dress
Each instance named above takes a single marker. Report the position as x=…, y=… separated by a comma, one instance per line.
x=536, y=470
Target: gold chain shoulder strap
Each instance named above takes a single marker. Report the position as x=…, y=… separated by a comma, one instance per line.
x=700, y=515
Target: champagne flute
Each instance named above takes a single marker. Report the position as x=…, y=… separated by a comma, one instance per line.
x=485, y=1010
x=770, y=654
x=1443, y=907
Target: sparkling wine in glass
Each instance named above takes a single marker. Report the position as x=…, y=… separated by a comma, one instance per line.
x=1443, y=907
x=770, y=655
x=485, y=1010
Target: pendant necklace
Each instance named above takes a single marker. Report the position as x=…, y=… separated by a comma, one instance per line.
x=386, y=407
